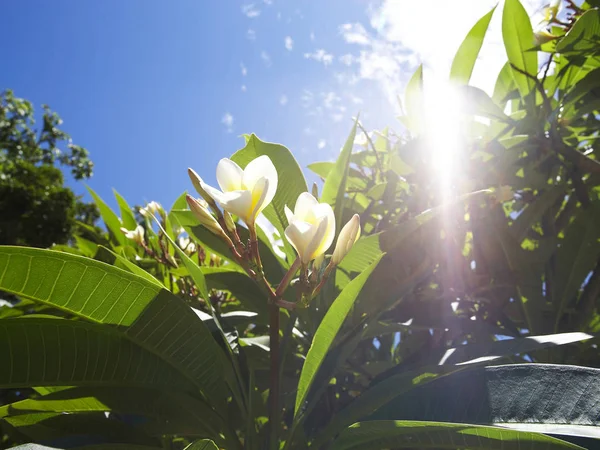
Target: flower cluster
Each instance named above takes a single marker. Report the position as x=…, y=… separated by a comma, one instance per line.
x=245, y=193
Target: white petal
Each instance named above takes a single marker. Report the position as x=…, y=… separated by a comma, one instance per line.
x=238, y=203
x=300, y=234
x=304, y=205
x=259, y=194
x=229, y=175
x=258, y=168
x=316, y=245
x=325, y=211
x=216, y=194
x=289, y=214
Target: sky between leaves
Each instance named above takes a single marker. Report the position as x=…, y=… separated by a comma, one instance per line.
x=153, y=87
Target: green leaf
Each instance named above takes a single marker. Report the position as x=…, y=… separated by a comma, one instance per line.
x=584, y=36
x=52, y=351
x=575, y=258
x=88, y=447
x=65, y=429
x=548, y=398
x=505, y=83
x=477, y=101
x=517, y=34
x=414, y=100
x=240, y=286
x=534, y=211
x=127, y=216
x=334, y=188
x=466, y=56
x=133, y=306
x=291, y=182
x=327, y=332
x=397, y=434
x=111, y=220
x=125, y=264
x=168, y=411
x=203, y=444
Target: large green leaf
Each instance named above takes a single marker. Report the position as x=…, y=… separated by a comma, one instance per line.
x=517, y=34
x=203, y=444
x=555, y=399
x=466, y=56
x=125, y=264
x=38, y=351
x=149, y=316
x=334, y=188
x=397, y=434
x=111, y=220
x=65, y=430
x=168, y=411
x=291, y=182
x=327, y=332
x=88, y=447
x=584, y=36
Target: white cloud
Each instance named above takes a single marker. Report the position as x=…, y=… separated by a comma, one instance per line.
x=266, y=58
x=251, y=34
x=227, y=120
x=268, y=2
x=307, y=98
x=283, y=100
x=289, y=43
x=330, y=99
x=398, y=38
x=249, y=10
x=320, y=55
x=321, y=144
x=312, y=36
x=347, y=59
x=355, y=33
x=244, y=89
x=243, y=69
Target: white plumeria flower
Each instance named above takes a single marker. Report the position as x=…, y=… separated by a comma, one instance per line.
x=311, y=227
x=152, y=207
x=187, y=245
x=346, y=239
x=136, y=235
x=244, y=192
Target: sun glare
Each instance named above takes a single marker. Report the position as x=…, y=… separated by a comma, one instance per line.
x=442, y=132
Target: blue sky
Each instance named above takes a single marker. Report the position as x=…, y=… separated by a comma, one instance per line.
x=153, y=87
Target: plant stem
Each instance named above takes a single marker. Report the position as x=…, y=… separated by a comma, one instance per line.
x=274, y=376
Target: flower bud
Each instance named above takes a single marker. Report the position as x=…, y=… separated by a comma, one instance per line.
x=346, y=239
x=205, y=217
x=197, y=182
x=136, y=235
x=229, y=223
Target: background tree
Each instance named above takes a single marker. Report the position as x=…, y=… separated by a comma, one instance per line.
x=37, y=208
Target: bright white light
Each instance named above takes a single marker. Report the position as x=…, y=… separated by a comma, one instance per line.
x=441, y=130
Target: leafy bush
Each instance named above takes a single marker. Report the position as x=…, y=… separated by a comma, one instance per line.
x=450, y=322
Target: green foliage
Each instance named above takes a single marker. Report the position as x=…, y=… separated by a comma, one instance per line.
x=463, y=317
x=37, y=209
